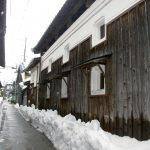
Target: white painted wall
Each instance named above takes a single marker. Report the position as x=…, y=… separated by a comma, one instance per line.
x=86, y=26
x=35, y=75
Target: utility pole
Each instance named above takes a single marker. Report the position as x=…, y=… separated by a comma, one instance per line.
x=10, y=7
x=24, y=58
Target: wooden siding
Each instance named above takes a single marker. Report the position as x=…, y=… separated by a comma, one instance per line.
x=124, y=109
x=131, y=72
x=31, y=94
x=42, y=89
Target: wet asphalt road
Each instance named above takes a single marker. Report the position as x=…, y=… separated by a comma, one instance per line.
x=17, y=134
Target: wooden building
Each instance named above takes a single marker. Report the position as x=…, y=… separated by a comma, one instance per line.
x=95, y=64
x=26, y=89
x=31, y=91
x=2, y=31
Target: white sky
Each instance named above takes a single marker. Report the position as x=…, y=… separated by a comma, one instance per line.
x=26, y=19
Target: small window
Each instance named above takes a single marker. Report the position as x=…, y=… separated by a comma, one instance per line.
x=48, y=91
x=102, y=28
x=102, y=31
x=99, y=31
x=64, y=87
x=50, y=65
x=98, y=79
x=66, y=54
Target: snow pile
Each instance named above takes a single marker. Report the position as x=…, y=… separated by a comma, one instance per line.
x=67, y=133
x=17, y=105
x=1, y=99
x=1, y=108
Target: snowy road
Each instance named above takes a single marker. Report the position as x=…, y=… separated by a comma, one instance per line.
x=17, y=134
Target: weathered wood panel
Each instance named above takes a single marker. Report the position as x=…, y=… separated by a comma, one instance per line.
x=144, y=70
x=42, y=89
x=146, y=125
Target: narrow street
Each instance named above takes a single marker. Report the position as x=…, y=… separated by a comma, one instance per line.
x=17, y=134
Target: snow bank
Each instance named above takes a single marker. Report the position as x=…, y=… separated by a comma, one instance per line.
x=67, y=133
x=1, y=99
x=1, y=108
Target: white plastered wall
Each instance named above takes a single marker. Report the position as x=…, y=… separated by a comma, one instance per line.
x=35, y=74
x=86, y=26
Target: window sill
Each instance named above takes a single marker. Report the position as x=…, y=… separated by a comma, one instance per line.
x=65, y=63
x=102, y=40
x=98, y=42
x=98, y=92
x=100, y=95
x=64, y=98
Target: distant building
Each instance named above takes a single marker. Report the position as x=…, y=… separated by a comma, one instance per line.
x=25, y=87
x=31, y=92
x=2, y=31
x=1, y=85
x=1, y=91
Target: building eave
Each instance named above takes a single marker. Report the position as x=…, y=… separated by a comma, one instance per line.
x=61, y=23
x=32, y=64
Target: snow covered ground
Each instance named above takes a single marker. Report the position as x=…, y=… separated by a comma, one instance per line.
x=67, y=133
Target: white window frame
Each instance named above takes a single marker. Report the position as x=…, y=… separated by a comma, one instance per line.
x=50, y=65
x=95, y=82
x=99, y=23
x=64, y=85
x=66, y=54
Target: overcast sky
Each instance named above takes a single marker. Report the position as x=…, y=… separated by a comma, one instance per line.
x=26, y=19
